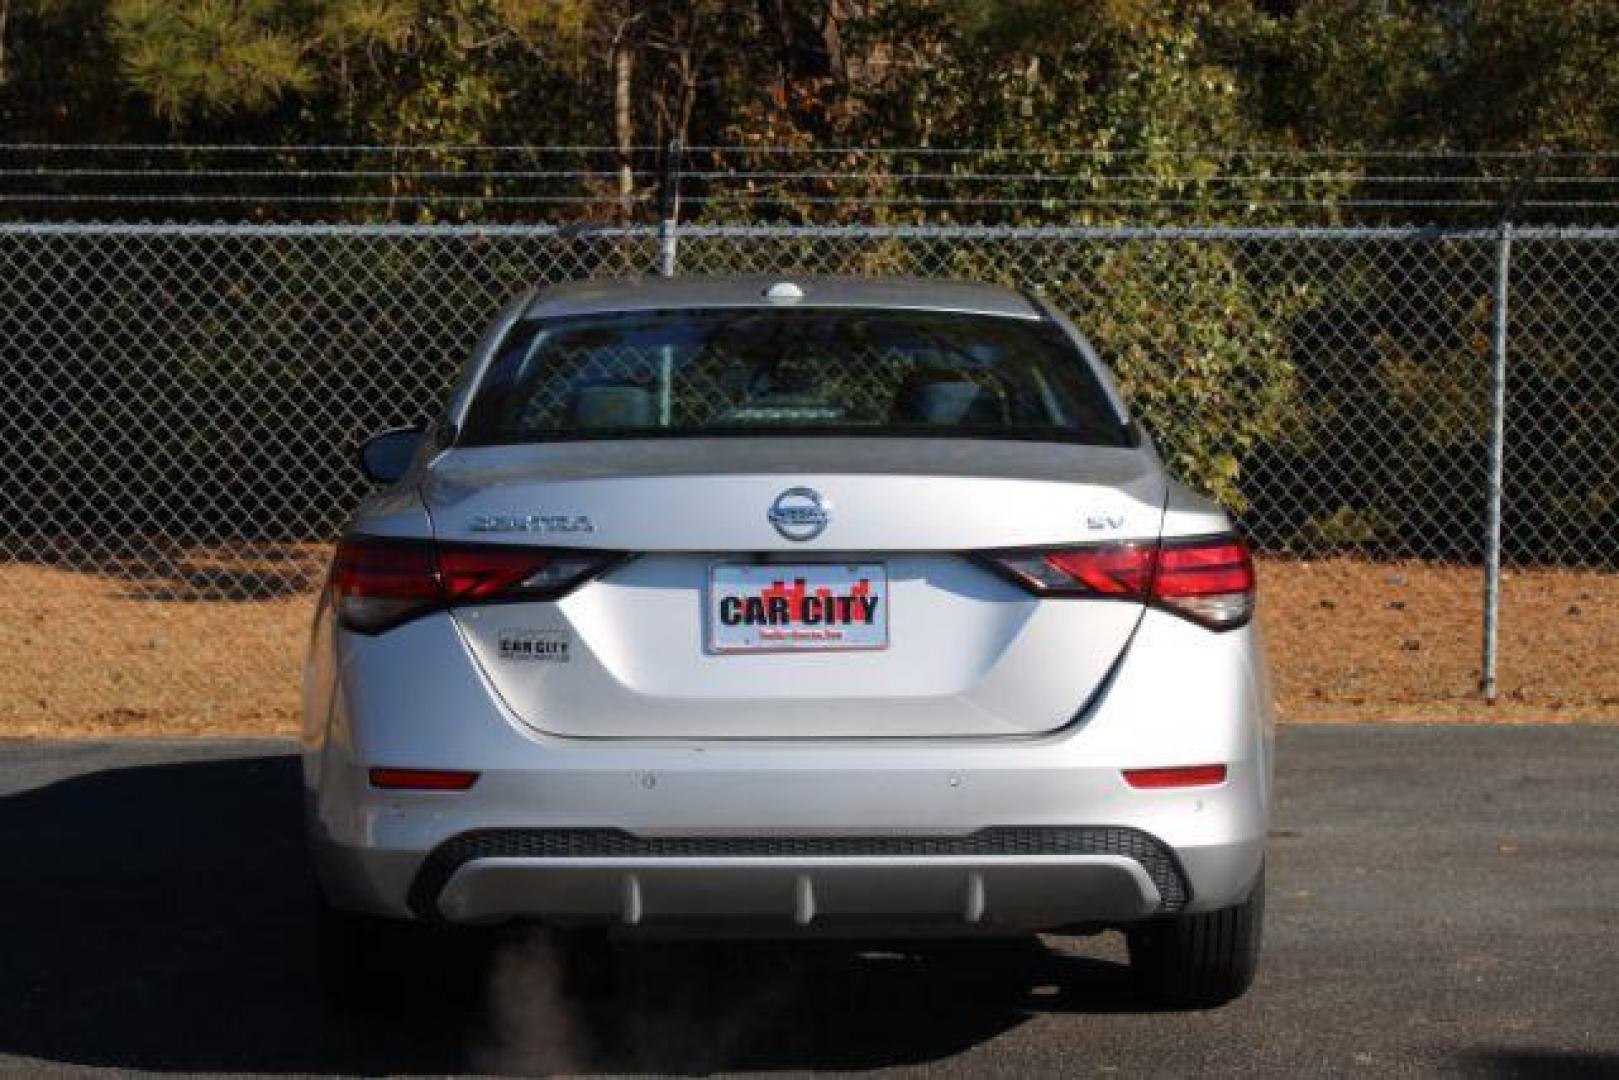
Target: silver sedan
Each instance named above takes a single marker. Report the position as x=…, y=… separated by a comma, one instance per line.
x=796, y=607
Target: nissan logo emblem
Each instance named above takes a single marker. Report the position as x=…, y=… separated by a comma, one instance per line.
x=800, y=513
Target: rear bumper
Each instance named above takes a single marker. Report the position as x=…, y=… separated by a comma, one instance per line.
x=1026, y=877
x=729, y=833
x=1035, y=832
x=943, y=893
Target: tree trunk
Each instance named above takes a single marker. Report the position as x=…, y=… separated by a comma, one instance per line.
x=689, y=58
x=773, y=13
x=686, y=66
x=5, y=17
x=831, y=29
x=624, y=118
x=809, y=45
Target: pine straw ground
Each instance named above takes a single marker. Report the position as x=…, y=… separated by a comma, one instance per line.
x=93, y=655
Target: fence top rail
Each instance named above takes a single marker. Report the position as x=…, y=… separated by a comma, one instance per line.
x=293, y=230
x=756, y=150
x=1148, y=232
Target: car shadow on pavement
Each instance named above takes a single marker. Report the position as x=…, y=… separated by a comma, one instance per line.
x=1506, y=1061
x=162, y=917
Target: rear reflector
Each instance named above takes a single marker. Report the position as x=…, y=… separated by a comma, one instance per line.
x=423, y=779
x=1209, y=580
x=1182, y=776
x=378, y=583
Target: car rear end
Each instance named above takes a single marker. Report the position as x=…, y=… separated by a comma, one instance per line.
x=864, y=612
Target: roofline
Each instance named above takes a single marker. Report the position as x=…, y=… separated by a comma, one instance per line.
x=821, y=292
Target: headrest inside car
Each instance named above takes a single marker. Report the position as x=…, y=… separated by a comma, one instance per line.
x=953, y=402
x=612, y=406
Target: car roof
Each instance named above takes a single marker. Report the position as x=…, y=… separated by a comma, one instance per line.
x=818, y=291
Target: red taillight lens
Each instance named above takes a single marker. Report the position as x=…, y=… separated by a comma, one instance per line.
x=379, y=583
x=1182, y=776
x=476, y=572
x=1115, y=570
x=1209, y=580
x=423, y=779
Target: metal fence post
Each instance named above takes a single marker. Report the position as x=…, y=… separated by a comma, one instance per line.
x=669, y=210
x=1498, y=405
x=668, y=250
x=1498, y=411
x=666, y=247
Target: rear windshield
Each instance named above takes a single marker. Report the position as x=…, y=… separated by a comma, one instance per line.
x=791, y=372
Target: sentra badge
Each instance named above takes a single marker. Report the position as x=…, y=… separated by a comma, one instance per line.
x=541, y=523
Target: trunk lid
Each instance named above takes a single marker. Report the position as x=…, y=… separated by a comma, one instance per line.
x=632, y=654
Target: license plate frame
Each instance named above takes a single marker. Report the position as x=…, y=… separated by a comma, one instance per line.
x=770, y=581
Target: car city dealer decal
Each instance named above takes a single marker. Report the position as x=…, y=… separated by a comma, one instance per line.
x=546, y=646
x=794, y=607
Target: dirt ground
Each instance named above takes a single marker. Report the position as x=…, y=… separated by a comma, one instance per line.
x=89, y=654
x=1353, y=640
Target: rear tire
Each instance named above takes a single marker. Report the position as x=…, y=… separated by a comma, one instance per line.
x=1200, y=961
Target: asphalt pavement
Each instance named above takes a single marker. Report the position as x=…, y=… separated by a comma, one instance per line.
x=1442, y=899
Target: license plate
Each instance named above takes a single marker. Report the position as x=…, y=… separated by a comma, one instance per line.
x=780, y=608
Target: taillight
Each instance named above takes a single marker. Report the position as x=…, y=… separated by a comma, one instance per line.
x=1122, y=571
x=475, y=573
x=381, y=583
x=1209, y=580
x=378, y=583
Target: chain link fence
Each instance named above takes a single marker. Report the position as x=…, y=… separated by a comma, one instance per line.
x=179, y=405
